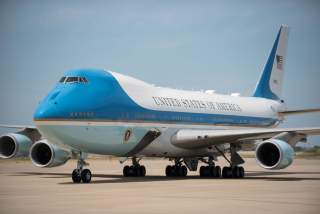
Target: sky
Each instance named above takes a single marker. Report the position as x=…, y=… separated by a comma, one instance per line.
x=197, y=45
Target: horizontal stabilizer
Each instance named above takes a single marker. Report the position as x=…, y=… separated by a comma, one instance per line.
x=300, y=111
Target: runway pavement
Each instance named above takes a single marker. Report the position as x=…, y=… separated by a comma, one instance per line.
x=28, y=189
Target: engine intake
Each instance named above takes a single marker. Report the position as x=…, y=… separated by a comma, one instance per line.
x=14, y=145
x=274, y=154
x=45, y=154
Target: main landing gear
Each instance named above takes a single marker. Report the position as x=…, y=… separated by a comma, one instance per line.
x=211, y=170
x=79, y=174
x=234, y=170
x=176, y=170
x=135, y=170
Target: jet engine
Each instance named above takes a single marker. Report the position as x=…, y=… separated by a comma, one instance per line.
x=14, y=145
x=45, y=154
x=274, y=154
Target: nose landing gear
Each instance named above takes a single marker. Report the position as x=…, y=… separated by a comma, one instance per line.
x=79, y=174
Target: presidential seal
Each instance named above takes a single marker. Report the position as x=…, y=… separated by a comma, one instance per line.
x=127, y=135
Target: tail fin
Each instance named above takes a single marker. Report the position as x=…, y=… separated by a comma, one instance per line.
x=270, y=83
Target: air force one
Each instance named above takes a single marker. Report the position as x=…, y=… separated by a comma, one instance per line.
x=102, y=112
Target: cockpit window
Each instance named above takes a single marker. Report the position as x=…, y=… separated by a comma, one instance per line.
x=62, y=79
x=83, y=79
x=73, y=80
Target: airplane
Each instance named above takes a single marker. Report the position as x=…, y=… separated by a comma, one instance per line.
x=95, y=111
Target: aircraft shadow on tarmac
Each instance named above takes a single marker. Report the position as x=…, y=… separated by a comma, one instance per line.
x=116, y=178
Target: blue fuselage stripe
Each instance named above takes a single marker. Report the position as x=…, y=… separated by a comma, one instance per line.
x=104, y=99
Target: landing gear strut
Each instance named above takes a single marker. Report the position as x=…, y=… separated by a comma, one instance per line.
x=176, y=170
x=79, y=174
x=135, y=170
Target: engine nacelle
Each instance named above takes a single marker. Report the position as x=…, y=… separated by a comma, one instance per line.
x=14, y=145
x=274, y=154
x=45, y=154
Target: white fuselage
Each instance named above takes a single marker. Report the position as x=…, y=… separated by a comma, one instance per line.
x=188, y=110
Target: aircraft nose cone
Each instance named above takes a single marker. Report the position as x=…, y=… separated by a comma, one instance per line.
x=46, y=110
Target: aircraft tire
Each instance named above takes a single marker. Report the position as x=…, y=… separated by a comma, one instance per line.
x=126, y=171
x=136, y=171
x=227, y=172
x=237, y=172
x=86, y=176
x=217, y=171
x=241, y=172
x=168, y=171
x=183, y=171
x=76, y=176
x=142, y=170
x=212, y=171
x=202, y=171
x=179, y=171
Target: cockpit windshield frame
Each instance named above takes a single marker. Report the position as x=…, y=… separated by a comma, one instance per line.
x=73, y=79
x=62, y=79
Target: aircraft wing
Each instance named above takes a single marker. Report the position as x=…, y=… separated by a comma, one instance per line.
x=192, y=139
x=17, y=126
x=30, y=131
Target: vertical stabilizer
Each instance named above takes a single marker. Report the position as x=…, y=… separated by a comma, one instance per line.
x=270, y=83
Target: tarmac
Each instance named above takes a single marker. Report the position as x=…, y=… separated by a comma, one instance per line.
x=25, y=188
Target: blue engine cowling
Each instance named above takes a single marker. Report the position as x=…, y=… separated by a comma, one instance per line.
x=274, y=154
x=14, y=145
x=45, y=154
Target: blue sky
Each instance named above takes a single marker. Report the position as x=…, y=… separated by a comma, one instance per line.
x=220, y=45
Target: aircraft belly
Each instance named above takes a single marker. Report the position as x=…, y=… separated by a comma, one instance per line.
x=162, y=147
x=105, y=140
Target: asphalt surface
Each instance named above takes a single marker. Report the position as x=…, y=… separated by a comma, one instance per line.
x=28, y=189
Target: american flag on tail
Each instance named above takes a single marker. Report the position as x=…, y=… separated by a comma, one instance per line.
x=279, y=61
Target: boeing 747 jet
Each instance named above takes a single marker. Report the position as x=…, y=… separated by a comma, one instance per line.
x=103, y=112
